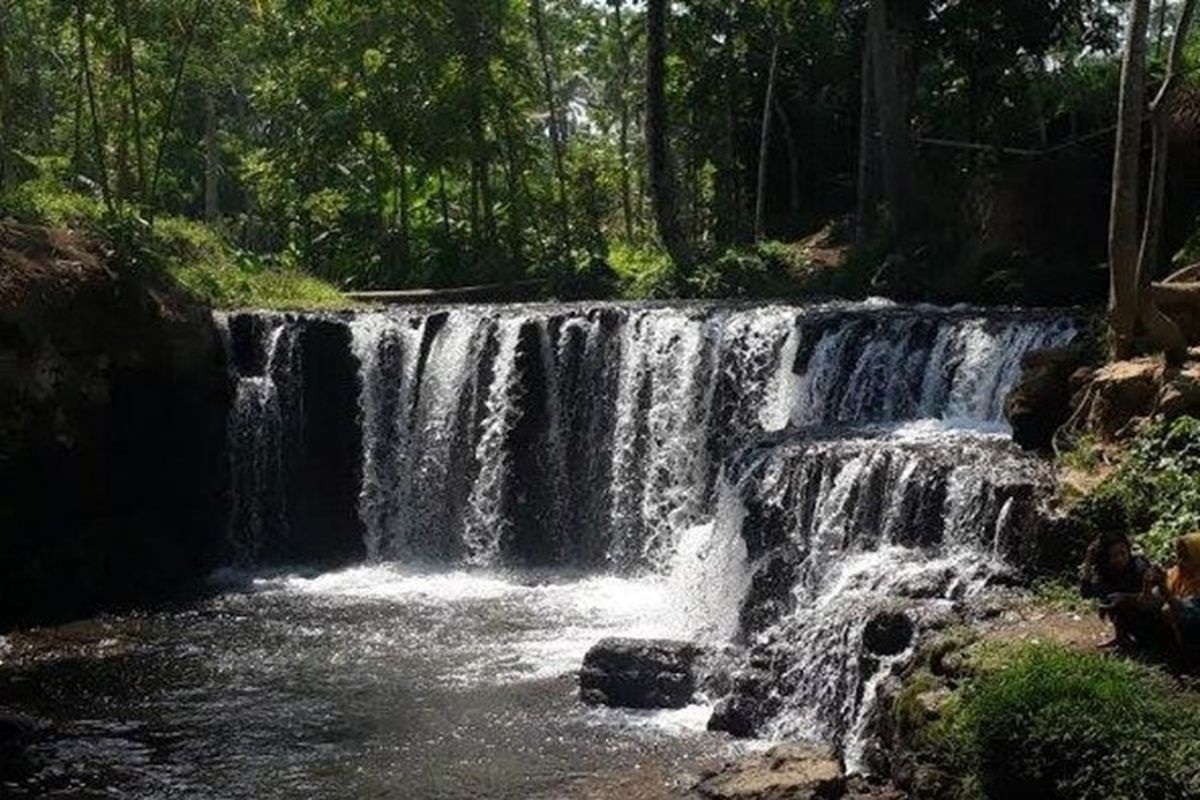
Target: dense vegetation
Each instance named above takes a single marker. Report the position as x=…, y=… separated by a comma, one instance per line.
x=1153, y=494
x=1046, y=721
x=395, y=143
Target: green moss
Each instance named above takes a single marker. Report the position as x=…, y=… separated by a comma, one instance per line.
x=1049, y=722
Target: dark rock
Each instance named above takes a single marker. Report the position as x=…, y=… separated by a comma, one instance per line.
x=637, y=673
x=737, y=715
x=112, y=425
x=17, y=733
x=770, y=596
x=888, y=633
x=785, y=772
x=1040, y=403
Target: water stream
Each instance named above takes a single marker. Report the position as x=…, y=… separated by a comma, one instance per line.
x=433, y=513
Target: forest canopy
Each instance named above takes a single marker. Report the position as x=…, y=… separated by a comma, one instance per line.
x=608, y=146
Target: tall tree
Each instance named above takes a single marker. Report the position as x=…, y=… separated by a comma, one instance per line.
x=557, y=127
x=5, y=99
x=1123, y=246
x=764, y=146
x=896, y=145
x=664, y=194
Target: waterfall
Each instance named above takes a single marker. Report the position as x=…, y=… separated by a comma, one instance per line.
x=793, y=472
x=266, y=404
x=908, y=519
x=593, y=435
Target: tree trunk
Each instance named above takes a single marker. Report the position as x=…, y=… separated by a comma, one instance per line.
x=5, y=95
x=212, y=160
x=122, y=8
x=557, y=134
x=151, y=198
x=1163, y=331
x=1123, y=220
x=623, y=115
x=867, y=214
x=764, y=148
x=443, y=203
x=662, y=179
x=1159, y=115
x=793, y=156
x=405, y=211
x=97, y=129
x=898, y=155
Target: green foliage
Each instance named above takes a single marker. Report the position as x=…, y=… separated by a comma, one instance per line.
x=46, y=200
x=752, y=272
x=400, y=143
x=200, y=259
x=644, y=273
x=1049, y=722
x=1154, y=495
x=193, y=253
x=1085, y=454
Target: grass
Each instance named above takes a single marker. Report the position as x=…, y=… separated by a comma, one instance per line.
x=1045, y=721
x=193, y=253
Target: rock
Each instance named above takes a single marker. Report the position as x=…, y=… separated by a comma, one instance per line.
x=888, y=633
x=17, y=733
x=1122, y=392
x=1040, y=403
x=770, y=596
x=1180, y=395
x=637, y=673
x=738, y=715
x=785, y=772
x=860, y=788
x=113, y=395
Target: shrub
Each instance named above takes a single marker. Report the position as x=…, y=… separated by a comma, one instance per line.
x=1048, y=722
x=193, y=253
x=1154, y=495
x=644, y=273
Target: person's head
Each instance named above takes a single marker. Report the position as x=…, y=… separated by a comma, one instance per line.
x=1187, y=550
x=1115, y=552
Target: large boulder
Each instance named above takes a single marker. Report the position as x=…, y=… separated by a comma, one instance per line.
x=748, y=705
x=1040, y=403
x=639, y=673
x=888, y=633
x=112, y=402
x=785, y=772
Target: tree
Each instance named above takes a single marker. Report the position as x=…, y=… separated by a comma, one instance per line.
x=662, y=178
x=764, y=149
x=896, y=146
x=1132, y=297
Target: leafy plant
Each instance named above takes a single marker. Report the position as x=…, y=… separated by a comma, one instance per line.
x=1154, y=495
x=1049, y=722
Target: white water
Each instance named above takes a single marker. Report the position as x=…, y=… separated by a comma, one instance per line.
x=594, y=437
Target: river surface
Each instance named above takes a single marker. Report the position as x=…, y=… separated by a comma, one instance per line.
x=370, y=682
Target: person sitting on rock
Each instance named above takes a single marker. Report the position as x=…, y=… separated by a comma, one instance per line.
x=1123, y=583
x=1182, y=586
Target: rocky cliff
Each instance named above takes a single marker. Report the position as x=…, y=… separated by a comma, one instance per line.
x=112, y=398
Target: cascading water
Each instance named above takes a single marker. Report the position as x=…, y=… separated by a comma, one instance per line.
x=486, y=491
x=722, y=444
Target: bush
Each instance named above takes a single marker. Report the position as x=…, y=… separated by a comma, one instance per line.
x=1043, y=721
x=193, y=253
x=644, y=273
x=1154, y=495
